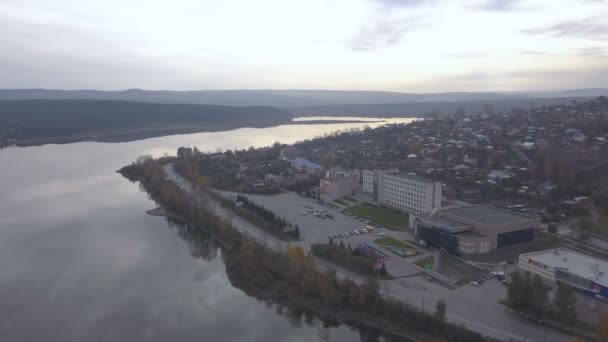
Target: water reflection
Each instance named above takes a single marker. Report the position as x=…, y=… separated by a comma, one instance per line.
x=202, y=245
x=81, y=261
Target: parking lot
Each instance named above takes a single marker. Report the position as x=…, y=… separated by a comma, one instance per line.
x=311, y=216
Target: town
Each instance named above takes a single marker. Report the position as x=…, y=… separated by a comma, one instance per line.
x=481, y=210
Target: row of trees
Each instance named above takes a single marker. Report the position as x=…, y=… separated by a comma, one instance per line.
x=529, y=294
x=292, y=277
x=347, y=258
x=270, y=217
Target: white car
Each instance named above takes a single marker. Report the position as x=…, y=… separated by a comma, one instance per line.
x=474, y=283
x=382, y=234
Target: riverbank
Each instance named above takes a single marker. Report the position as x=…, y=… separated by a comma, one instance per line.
x=292, y=277
x=127, y=134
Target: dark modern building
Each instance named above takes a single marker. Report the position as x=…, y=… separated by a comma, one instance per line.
x=475, y=229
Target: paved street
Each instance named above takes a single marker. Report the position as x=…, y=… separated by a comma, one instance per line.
x=475, y=307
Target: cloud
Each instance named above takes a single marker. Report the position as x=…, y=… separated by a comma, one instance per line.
x=402, y=3
x=500, y=5
x=595, y=28
x=385, y=33
x=534, y=52
x=592, y=51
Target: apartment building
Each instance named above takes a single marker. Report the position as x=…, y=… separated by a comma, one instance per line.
x=406, y=192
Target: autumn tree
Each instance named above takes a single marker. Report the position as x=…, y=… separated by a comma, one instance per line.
x=602, y=326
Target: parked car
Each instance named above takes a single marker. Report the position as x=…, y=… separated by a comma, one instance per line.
x=474, y=283
x=382, y=234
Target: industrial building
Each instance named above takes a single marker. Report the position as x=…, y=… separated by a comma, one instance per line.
x=583, y=272
x=406, y=192
x=473, y=229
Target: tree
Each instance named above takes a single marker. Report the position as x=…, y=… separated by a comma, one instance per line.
x=297, y=256
x=552, y=227
x=539, y=294
x=602, y=326
x=440, y=309
x=517, y=291
x=563, y=302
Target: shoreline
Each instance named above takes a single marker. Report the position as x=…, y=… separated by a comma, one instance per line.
x=128, y=134
x=272, y=274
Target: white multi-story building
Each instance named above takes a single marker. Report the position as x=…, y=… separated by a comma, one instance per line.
x=409, y=193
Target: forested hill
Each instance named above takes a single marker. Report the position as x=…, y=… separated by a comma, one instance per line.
x=26, y=122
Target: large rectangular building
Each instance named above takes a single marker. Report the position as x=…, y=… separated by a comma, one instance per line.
x=561, y=265
x=332, y=189
x=474, y=229
x=409, y=193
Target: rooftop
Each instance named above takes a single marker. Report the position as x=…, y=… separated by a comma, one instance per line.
x=413, y=177
x=577, y=263
x=447, y=225
x=307, y=163
x=487, y=215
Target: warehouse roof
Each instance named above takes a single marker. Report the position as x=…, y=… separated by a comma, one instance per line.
x=583, y=265
x=487, y=215
x=447, y=225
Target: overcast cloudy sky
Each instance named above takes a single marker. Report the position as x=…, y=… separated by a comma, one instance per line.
x=400, y=45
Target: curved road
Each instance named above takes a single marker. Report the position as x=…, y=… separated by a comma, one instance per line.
x=464, y=305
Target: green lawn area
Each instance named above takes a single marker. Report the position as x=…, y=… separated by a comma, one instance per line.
x=341, y=202
x=425, y=262
x=389, y=241
x=350, y=199
x=390, y=218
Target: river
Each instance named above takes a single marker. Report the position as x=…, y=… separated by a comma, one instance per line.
x=81, y=261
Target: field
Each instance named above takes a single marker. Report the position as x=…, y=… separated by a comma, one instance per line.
x=390, y=218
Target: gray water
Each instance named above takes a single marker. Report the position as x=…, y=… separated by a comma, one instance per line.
x=81, y=261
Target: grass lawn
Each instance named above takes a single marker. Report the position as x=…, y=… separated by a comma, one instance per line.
x=390, y=218
x=341, y=202
x=350, y=199
x=389, y=241
x=424, y=262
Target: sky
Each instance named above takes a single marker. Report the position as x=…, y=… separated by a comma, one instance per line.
x=416, y=46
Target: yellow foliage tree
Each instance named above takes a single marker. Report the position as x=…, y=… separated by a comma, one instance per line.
x=602, y=326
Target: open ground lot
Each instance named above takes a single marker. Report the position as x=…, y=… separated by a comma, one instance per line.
x=390, y=218
x=313, y=229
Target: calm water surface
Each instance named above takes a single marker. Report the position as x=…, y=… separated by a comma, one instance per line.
x=81, y=261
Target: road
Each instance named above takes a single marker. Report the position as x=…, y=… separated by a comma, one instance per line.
x=470, y=306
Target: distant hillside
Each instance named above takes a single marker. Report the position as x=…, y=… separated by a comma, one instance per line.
x=423, y=109
x=37, y=121
x=284, y=98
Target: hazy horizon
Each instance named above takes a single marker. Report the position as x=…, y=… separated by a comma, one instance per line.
x=411, y=46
